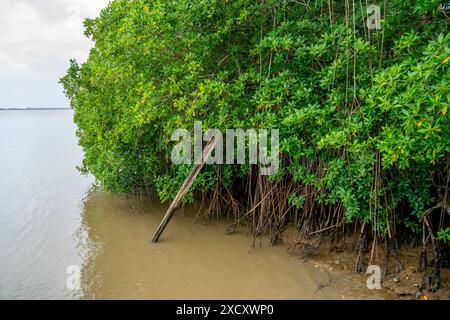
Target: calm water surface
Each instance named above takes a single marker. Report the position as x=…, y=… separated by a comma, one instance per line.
x=41, y=198
x=50, y=219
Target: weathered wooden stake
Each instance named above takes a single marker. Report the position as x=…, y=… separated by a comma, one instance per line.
x=184, y=188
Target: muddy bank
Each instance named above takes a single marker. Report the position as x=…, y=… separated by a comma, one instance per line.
x=193, y=260
x=403, y=282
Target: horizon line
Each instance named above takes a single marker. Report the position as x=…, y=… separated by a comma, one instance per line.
x=37, y=108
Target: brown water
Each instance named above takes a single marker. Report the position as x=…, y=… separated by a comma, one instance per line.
x=191, y=261
x=50, y=219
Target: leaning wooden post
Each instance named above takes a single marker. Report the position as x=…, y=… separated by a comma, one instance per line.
x=185, y=188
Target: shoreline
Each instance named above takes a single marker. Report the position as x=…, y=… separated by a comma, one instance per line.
x=398, y=284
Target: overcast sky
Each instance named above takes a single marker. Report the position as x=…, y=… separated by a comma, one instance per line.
x=37, y=39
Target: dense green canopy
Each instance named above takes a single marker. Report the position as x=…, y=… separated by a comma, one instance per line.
x=362, y=113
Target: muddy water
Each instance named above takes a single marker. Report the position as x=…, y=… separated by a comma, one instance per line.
x=196, y=261
x=192, y=260
x=51, y=219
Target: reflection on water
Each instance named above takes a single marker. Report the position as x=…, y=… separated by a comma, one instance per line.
x=49, y=221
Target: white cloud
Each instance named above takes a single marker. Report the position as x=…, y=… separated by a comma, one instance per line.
x=37, y=39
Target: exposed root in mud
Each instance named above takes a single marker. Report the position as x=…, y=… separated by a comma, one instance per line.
x=360, y=265
x=392, y=246
x=307, y=248
x=432, y=276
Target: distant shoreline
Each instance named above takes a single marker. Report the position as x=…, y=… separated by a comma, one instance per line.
x=32, y=109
